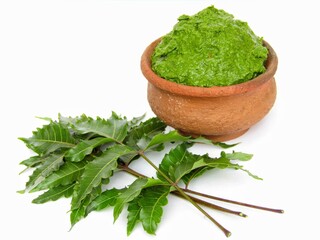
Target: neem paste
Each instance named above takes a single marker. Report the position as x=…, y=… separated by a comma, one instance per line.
x=210, y=48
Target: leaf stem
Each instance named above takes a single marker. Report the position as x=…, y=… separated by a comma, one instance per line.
x=225, y=231
x=233, y=202
x=131, y=171
x=211, y=205
x=176, y=193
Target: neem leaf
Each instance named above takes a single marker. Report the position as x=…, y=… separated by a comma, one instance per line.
x=32, y=161
x=54, y=194
x=106, y=199
x=67, y=174
x=136, y=121
x=78, y=213
x=208, y=141
x=100, y=168
x=172, y=136
x=74, y=160
x=84, y=148
x=207, y=163
x=193, y=174
x=204, y=140
x=140, y=135
x=178, y=162
x=114, y=128
x=133, y=217
x=239, y=156
x=225, y=145
x=132, y=192
x=128, y=195
x=203, y=165
x=188, y=163
x=50, y=164
x=49, y=138
x=145, y=130
x=147, y=208
x=151, y=201
x=224, y=162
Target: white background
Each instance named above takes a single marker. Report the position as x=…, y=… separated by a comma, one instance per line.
x=73, y=57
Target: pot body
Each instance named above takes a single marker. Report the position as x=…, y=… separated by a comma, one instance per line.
x=218, y=118
x=218, y=113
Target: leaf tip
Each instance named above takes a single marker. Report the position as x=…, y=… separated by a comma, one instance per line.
x=35, y=201
x=71, y=227
x=44, y=118
x=129, y=231
x=21, y=191
x=116, y=213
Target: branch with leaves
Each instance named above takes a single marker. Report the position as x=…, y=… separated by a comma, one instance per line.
x=77, y=156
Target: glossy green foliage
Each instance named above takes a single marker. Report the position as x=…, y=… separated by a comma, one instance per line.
x=76, y=158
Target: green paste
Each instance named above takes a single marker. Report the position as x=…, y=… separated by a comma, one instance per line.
x=210, y=48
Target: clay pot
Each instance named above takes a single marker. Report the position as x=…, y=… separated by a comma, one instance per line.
x=217, y=113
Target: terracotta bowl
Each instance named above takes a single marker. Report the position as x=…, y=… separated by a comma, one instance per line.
x=217, y=113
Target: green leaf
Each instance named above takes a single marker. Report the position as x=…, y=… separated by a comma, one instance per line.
x=78, y=213
x=210, y=142
x=132, y=192
x=172, y=136
x=225, y=145
x=250, y=174
x=67, y=174
x=106, y=199
x=133, y=217
x=139, y=135
x=222, y=162
x=54, y=194
x=115, y=129
x=50, y=164
x=100, y=168
x=193, y=174
x=145, y=130
x=67, y=121
x=203, y=165
x=128, y=195
x=85, y=147
x=48, y=119
x=32, y=161
x=239, y=156
x=178, y=162
x=151, y=201
x=135, y=121
x=78, y=156
x=188, y=164
x=49, y=138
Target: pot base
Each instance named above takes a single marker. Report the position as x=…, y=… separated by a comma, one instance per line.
x=218, y=138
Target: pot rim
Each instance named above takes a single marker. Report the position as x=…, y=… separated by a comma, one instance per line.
x=215, y=91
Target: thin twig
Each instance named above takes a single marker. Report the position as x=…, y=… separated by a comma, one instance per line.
x=176, y=193
x=233, y=202
x=211, y=205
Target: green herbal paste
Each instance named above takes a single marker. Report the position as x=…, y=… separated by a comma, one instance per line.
x=210, y=48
